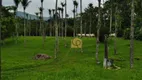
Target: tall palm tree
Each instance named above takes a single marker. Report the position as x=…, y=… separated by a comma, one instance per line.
x=43, y=30
x=81, y=18
x=49, y=10
x=0, y=27
x=30, y=25
x=116, y=26
x=62, y=28
x=65, y=22
x=0, y=3
x=25, y=4
x=53, y=15
x=76, y=6
x=59, y=9
x=16, y=2
x=37, y=14
x=62, y=11
x=132, y=35
x=0, y=21
x=27, y=23
x=56, y=31
x=40, y=29
x=74, y=22
x=75, y=3
x=53, y=11
x=91, y=7
x=98, y=31
x=110, y=17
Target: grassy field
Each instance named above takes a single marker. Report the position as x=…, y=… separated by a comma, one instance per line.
x=18, y=62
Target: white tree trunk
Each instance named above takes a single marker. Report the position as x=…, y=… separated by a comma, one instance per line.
x=116, y=26
x=24, y=30
x=81, y=18
x=65, y=22
x=110, y=19
x=98, y=32
x=56, y=33
x=132, y=36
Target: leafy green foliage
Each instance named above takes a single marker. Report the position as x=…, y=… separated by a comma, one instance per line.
x=138, y=36
x=127, y=33
x=103, y=31
x=7, y=27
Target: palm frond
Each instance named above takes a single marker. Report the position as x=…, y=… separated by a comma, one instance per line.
x=25, y=3
x=16, y=2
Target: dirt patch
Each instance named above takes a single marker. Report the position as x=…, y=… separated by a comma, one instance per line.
x=42, y=57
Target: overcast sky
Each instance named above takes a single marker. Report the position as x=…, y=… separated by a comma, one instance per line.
x=50, y=4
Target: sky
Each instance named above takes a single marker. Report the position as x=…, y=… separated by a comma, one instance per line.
x=50, y=4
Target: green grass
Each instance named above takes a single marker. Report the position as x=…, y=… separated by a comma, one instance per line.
x=18, y=62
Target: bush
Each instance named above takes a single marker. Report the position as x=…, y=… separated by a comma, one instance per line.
x=120, y=33
x=127, y=33
x=103, y=31
x=139, y=36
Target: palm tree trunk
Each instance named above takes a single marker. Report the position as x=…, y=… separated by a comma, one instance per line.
x=43, y=32
x=62, y=25
x=56, y=33
x=59, y=23
x=132, y=36
x=85, y=28
x=0, y=32
x=76, y=31
x=65, y=18
x=40, y=29
x=106, y=53
x=16, y=29
x=74, y=23
x=29, y=29
x=24, y=30
x=0, y=22
x=110, y=18
x=65, y=22
x=50, y=27
x=116, y=25
x=37, y=28
x=90, y=26
x=98, y=32
x=81, y=18
x=0, y=3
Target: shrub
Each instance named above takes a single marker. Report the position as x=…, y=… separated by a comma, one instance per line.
x=120, y=33
x=126, y=33
x=103, y=32
x=139, y=36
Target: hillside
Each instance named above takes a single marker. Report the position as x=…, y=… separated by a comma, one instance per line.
x=30, y=16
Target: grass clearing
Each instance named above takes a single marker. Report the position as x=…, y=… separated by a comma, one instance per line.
x=18, y=62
